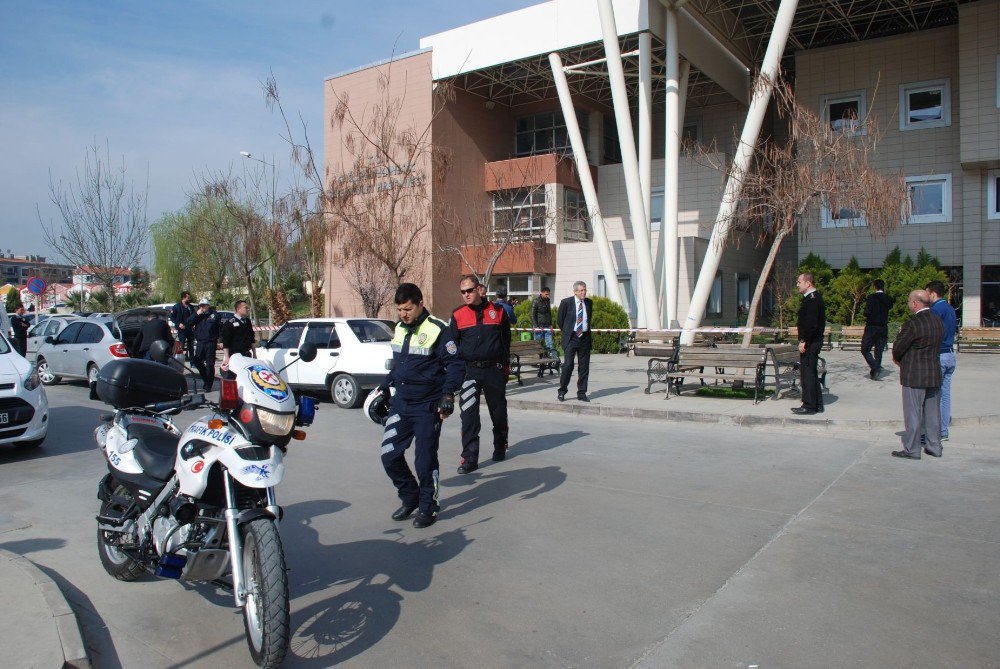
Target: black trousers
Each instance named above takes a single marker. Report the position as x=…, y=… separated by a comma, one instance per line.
x=492, y=382
x=875, y=336
x=21, y=346
x=578, y=347
x=812, y=398
x=419, y=424
x=204, y=360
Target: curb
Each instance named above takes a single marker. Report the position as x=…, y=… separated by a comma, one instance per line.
x=739, y=420
x=74, y=652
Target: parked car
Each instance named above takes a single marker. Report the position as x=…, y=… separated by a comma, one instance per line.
x=49, y=327
x=354, y=356
x=24, y=407
x=79, y=351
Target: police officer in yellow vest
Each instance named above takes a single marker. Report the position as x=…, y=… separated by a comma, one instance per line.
x=427, y=372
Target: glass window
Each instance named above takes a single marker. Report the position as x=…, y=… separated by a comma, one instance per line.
x=656, y=208
x=368, y=331
x=691, y=132
x=611, y=148
x=324, y=335
x=519, y=215
x=841, y=217
x=714, y=309
x=288, y=336
x=90, y=334
x=625, y=286
x=925, y=104
x=68, y=336
x=845, y=112
x=993, y=195
x=742, y=294
x=544, y=133
x=576, y=221
x=930, y=198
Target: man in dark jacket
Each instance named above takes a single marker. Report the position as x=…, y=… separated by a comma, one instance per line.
x=179, y=314
x=574, y=317
x=19, y=325
x=236, y=334
x=876, y=328
x=426, y=372
x=482, y=332
x=152, y=330
x=204, y=327
x=915, y=351
x=811, y=323
x=541, y=317
x=505, y=304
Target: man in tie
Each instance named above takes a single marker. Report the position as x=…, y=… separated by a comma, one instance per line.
x=573, y=319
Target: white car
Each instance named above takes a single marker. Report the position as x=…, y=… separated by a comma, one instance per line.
x=354, y=356
x=50, y=327
x=24, y=408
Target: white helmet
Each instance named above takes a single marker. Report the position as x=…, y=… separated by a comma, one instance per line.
x=377, y=405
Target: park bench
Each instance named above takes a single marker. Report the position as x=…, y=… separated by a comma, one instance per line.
x=978, y=339
x=784, y=368
x=850, y=337
x=532, y=353
x=793, y=336
x=664, y=344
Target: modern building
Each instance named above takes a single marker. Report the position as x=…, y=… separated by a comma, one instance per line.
x=16, y=270
x=486, y=96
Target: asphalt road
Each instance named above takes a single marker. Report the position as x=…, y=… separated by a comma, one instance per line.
x=598, y=543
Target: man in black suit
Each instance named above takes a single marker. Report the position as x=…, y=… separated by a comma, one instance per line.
x=811, y=324
x=152, y=330
x=915, y=351
x=573, y=318
x=876, y=328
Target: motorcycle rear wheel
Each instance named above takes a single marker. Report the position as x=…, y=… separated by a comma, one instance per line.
x=265, y=614
x=113, y=559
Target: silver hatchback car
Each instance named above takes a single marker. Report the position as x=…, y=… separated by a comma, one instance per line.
x=79, y=351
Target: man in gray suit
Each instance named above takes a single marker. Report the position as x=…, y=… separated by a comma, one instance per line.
x=915, y=352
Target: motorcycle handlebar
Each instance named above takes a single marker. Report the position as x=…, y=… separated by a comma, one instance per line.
x=189, y=402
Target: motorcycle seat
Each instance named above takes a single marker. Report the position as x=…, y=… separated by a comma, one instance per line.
x=156, y=450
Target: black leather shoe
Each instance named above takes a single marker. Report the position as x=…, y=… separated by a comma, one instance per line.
x=803, y=411
x=582, y=397
x=904, y=455
x=403, y=512
x=561, y=397
x=422, y=521
x=467, y=467
x=933, y=455
x=873, y=374
x=500, y=454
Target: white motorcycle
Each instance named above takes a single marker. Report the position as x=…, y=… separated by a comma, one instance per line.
x=200, y=505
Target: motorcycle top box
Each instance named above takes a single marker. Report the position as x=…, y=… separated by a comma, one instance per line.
x=136, y=383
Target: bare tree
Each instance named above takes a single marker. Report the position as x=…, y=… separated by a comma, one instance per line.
x=104, y=221
x=368, y=279
x=510, y=224
x=824, y=166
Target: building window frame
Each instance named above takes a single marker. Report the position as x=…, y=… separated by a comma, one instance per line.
x=575, y=217
x=517, y=202
x=998, y=80
x=713, y=309
x=656, y=199
x=917, y=87
x=993, y=195
x=829, y=220
x=626, y=282
x=860, y=97
x=551, y=126
x=944, y=216
x=691, y=131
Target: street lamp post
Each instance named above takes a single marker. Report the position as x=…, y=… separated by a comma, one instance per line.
x=270, y=264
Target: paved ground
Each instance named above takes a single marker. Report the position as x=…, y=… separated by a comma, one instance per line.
x=602, y=542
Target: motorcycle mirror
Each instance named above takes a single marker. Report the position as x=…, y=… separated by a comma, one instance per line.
x=159, y=351
x=307, y=352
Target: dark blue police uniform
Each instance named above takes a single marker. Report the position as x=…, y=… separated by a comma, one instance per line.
x=426, y=366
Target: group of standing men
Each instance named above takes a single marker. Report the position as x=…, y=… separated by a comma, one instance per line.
x=200, y=330
x=438, y=364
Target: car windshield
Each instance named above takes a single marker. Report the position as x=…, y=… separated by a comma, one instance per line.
x=370, y=331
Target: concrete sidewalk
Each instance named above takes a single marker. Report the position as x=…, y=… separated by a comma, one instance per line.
x=852, y=401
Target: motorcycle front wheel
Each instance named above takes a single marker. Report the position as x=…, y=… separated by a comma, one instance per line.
x=115, y=561
x=265, y=614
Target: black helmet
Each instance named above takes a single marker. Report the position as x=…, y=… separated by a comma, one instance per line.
x=377, y=406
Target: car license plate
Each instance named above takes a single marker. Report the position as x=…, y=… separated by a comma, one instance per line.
x=4, y=418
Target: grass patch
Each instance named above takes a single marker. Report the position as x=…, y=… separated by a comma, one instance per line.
x=728, y=393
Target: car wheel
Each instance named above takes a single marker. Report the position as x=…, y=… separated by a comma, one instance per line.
x=45, y=374
x=346, y=392
x=92, y=372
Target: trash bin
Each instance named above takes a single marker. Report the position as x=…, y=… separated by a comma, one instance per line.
x=526, y=336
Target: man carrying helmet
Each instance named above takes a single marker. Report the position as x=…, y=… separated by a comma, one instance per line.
x=426, y=373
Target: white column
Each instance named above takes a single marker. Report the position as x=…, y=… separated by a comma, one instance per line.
x=586, y=181
x=741, y=161
x=671, y=165
x=646, y=119
x=630, y=164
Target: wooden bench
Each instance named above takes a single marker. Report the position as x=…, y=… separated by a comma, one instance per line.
x=728, y=364
x=532, y=354
x=793, y=336
x=850, y=336
x=969, y=340
x=783, y=367
x=664, y=344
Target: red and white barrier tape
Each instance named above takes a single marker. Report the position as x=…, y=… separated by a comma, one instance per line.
x=654, y=331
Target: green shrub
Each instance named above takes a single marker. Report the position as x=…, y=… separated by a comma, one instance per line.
x=607, y=314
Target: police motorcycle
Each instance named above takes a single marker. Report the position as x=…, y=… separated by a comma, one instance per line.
x=200, y=505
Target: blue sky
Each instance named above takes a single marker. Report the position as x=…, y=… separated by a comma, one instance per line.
x=174, y=87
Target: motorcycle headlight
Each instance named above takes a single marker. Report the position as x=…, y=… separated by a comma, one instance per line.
x=278, y=424
x=31, y=381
